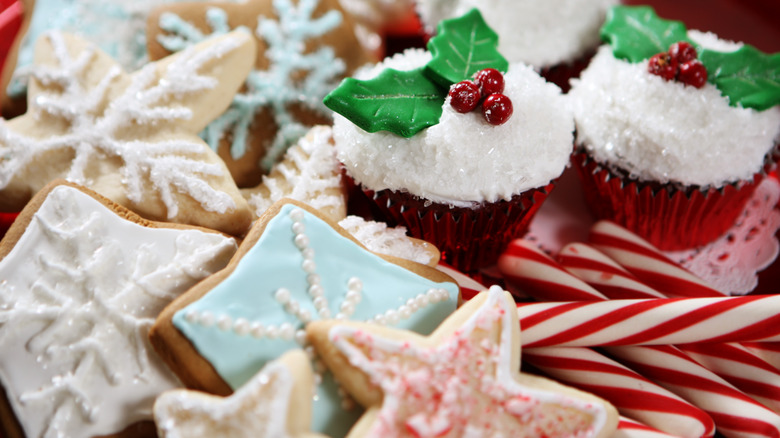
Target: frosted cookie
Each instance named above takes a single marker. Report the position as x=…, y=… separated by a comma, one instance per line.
x=425, y=164
x=16, y=17
x=83, y=280
x=308, y=173
x=130, y=137
x=293, y=267
x=462, y=380
x=275, y=403
x=115, y=26
x=392, y=241
x=305, y=48
x=676, y=128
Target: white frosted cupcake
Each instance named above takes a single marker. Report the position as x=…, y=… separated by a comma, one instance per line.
x=670, y=159
x=464, y=184
x=555, y=36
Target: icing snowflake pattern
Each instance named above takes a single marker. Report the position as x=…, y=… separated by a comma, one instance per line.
x=85, y=317
x=96, y=132
x=275, y=88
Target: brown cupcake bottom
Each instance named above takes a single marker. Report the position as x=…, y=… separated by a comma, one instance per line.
x=670, y=217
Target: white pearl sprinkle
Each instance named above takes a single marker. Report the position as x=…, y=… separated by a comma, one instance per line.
x=257, y=329
x=380, y=319
x=404, y=312
x=320, y=303
x=313, y=279
x=301, y=241
x=206, y=319
x=300, y=337
x=272, y=332
x=355, y=284
x=324, y=313
x=287, y=331
x=304, y=315
x=316, y=291
x=282, y=295
x=191, y=316
x=296, y=215
x=293, y=307
x=298, y=228
x=225, y=322
x=391, y=316
x=347, y=307
x=354, y=297
x=308, y=254
x=309, y=266
x=241, y=327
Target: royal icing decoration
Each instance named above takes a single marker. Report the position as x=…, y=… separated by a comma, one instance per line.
x=80, y=290
x=135, y=144
x=276, y=87
x=301, y=269
x=275, y=403
x=466, y=384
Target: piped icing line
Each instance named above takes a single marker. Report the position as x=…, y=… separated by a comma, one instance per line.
x=540, y=276
x=275, y=403
x=439, y=393
x=633, y=394
x=735, y=414
x=647, y=263
x=299, y=269
x=628, y=428
x=81, y=288
x=651, y=322
x=603, y=273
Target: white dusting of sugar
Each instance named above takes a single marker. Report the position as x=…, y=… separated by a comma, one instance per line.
x=464, y=160
x=540, y=33
x=665, y=131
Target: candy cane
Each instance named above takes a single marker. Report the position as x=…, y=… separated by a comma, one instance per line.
x=651, y=322
x=628, y=428
x=632, y=394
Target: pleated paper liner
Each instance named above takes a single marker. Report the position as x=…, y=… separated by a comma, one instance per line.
x=670, y=217
x=468, y=238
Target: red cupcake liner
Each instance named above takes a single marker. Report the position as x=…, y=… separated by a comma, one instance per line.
x=668, y=216
x=468, y=238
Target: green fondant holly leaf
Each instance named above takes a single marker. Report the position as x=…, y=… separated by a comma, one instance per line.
x=636, y=33
x=402, y=102
x=462, y=47
x=748, y=77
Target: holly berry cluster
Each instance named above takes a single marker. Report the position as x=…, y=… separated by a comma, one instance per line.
x=486, y=87
x=680, y=63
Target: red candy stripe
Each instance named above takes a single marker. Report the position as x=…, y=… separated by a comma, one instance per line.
x=651, y=322
x=632, y=394
x=628, y=428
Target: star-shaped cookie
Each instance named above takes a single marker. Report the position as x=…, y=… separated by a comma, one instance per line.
x=294, y=266
x=82, y=281
x=305, y=48
x=462, y=380
x=275, y=403
x=130, y=137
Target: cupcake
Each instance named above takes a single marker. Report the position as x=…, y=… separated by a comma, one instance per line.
x=452, y=178
x=675, y=128
x=558, y=37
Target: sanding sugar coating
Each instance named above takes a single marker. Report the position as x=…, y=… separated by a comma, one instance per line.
x=463, y=160
x=665, y=131
x=540, y=33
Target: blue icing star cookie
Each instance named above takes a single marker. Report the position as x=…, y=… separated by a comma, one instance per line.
x=297, y=268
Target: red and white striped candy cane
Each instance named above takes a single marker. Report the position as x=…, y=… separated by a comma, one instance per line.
x=651, y=322
x=735, y=414
x=633, y=395
x=647, y=263
x=628, y=428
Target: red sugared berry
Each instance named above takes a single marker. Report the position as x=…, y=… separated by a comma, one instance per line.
x=465, y=96
x=497, y=108
x=682, y=52
x=693, y=73
x=663, y=65
x=489, y=81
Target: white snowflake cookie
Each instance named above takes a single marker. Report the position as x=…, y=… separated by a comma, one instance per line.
x=130, y=137
x=83, y=280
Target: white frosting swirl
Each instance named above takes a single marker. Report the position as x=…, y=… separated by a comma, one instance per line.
x=664, y=131
x=540, y=33
x=464, y=160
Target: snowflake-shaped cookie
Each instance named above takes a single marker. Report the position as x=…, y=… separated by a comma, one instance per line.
x=83, y=280
x=129, y=137
x=462, y=380
x=305, y=48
